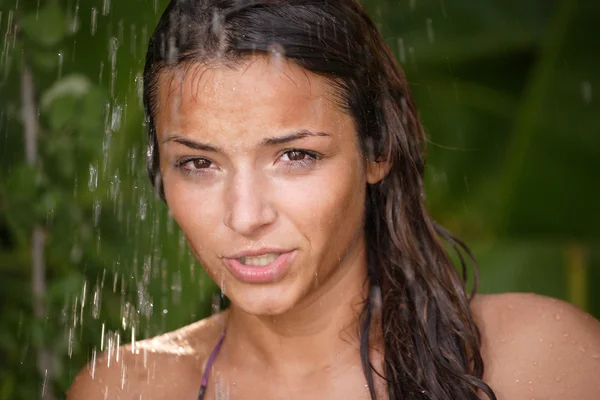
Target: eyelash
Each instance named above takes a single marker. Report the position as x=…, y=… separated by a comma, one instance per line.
x=313, y=157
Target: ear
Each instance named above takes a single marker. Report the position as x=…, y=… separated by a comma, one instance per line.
x=377, y=170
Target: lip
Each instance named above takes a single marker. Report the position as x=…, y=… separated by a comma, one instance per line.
x=264, y=274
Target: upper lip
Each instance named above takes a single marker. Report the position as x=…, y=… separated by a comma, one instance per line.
x=257, y=252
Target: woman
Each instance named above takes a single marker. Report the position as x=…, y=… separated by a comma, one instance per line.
x=286, y=144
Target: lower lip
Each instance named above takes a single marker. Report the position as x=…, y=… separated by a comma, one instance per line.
x=260, y=274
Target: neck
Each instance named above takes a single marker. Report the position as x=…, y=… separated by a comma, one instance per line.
x=319, y=332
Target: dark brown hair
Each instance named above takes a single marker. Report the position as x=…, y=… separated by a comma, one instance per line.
x=431, y=343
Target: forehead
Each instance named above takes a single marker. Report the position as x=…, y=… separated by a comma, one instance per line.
x=258, y=95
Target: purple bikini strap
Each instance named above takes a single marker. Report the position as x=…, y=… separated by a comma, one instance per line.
x=209, y=363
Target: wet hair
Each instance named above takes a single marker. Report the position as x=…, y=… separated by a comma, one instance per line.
x=431, y=344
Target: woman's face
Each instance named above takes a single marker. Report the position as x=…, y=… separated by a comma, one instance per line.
x=262, y=172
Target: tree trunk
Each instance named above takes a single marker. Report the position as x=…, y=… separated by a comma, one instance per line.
x=38, y=234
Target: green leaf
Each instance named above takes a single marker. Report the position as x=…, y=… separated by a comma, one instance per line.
x=7, y=386
x=43, y=59
x=46, y=27
x=62, y=112
x=74, y=85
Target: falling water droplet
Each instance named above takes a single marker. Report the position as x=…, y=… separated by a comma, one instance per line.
x=45, y=383
x=176, y=288
x=277, y=55
x=97, y=211
x=113, y=51
x=115, y=184
x=133, y=350
x=102, y=337
x=93, y=181
x=75, y=22
x=430, y=31
x=142, y=208
x=105, y=7
x=117, y=113
x=96, y=302
x=133, y=40
x=101, y=74
x=586, y=92
x=139, y=86
x=94, y=21
x=401, y=51
x=172, y=51
x=93, y=363
x=216, y=304
x=60, y=64
x=70, y=343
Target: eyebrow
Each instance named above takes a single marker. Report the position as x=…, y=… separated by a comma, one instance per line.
x=272, y=141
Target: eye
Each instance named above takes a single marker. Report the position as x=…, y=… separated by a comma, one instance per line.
x=296, y=155
x=300, y=158
x=193, y=165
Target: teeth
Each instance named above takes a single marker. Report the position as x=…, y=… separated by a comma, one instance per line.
x=259, y=261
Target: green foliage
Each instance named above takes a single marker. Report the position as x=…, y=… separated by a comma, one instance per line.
x=47, y=26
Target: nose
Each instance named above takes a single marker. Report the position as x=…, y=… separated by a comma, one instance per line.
x=247, y=207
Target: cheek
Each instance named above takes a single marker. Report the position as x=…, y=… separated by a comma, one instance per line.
x=328, y=207
x=193, y=209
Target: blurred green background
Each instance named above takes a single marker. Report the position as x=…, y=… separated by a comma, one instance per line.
x=509, y=93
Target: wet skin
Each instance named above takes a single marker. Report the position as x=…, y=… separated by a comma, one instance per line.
x=261, y=157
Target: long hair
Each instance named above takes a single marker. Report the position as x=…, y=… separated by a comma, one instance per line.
x=431, y=343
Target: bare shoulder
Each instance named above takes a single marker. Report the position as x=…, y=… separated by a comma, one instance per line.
x=166, y=366
x=536, y=347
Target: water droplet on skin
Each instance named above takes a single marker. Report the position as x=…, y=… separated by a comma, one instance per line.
x=596, y=356
x=582, y=349
x=557, y=317
x=535, y=363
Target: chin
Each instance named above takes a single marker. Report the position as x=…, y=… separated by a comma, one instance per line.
x=264, y=300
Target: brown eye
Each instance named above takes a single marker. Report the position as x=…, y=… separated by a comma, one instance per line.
x=295, y=155
x=194, y=165
x=200, y=163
